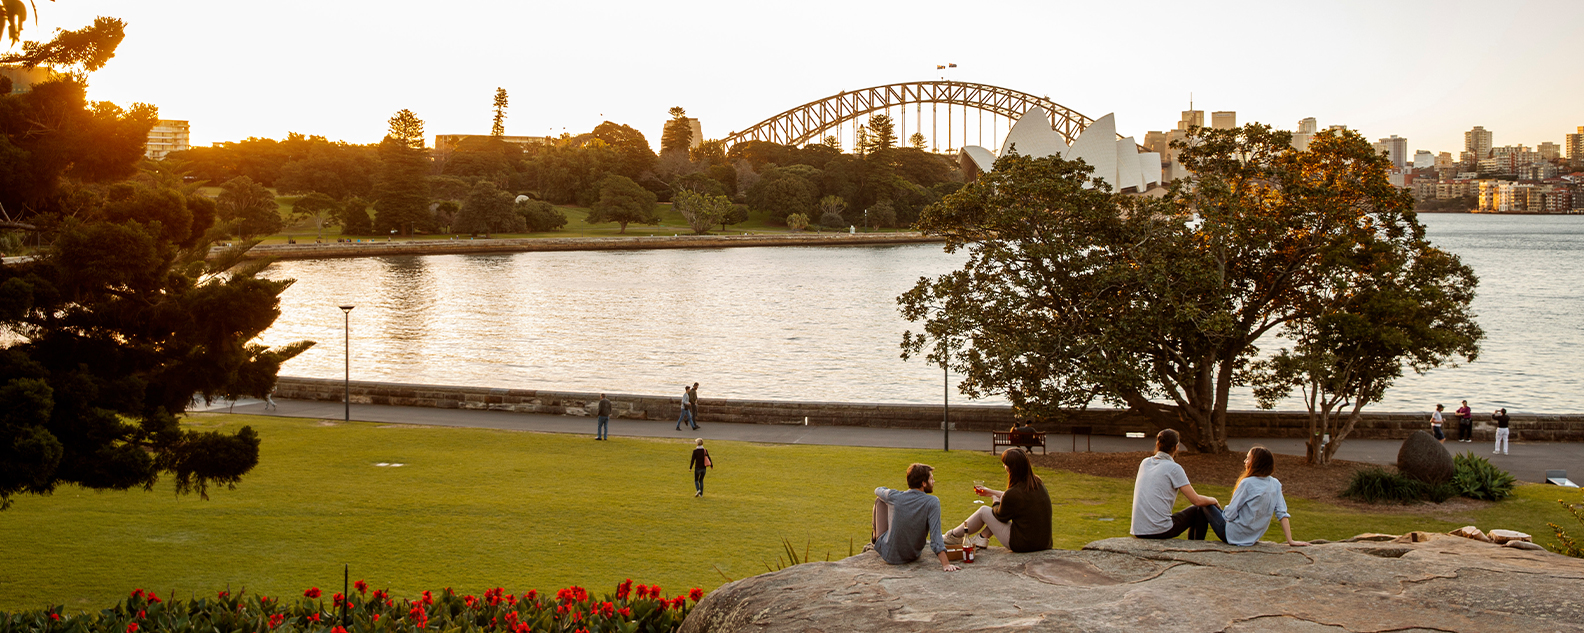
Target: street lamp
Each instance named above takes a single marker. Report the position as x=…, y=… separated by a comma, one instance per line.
x=946, y=397
x=348, y=395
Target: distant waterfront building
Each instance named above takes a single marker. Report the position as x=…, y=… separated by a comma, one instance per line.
x=1116, y=161
x=1395, y=148
x=1423, y=159
x=1223, y=120
x=697, y=133
x=1542, y=170
x=1191, y=118
x=22, y=79
x=1476, y=145
x=1549, y=151
x=447, y=143
x=165, y=137
x=1575, y=147
x=1305, y=133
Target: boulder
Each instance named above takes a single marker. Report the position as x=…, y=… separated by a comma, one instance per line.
x=1501, y=537
x=1422, y=457
x=1523, y=545
x=1428, y=581
x=1469, y=531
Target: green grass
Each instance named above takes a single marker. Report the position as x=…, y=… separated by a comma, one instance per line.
x=474, y=508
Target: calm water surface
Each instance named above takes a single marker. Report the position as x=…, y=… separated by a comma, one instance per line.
x=811, y=323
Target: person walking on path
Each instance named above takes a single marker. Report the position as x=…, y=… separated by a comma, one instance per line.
x=1021, y=515
x=687, y=410
x=1256, y=500
x=1435, y=424
x=1155, y=490
x=1502, y=423
x=1465, y=423
x=602, y=429
x=269, y=400
x=693, y=404
x=905, y=521
x=698, y=462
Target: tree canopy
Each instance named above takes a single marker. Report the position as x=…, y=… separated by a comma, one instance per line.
x=623, y=201
x=1073, y=293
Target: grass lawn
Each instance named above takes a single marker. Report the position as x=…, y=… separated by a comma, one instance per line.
x=473, y=509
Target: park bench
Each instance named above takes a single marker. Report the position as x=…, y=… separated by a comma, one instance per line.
x=1028, y=439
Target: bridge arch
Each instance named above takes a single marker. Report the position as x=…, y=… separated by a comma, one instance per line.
x=807, y=122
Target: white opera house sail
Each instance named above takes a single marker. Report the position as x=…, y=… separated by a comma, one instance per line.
x=1115, y=160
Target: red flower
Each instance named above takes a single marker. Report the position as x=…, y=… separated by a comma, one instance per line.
x=511, y=599
x=643, y=591
x=427, y=599
x=654, y=590
x=312, y=592
x=533, y=594
x=338, y=599
x=361, y=586
x=223, y=595
x=142, y=614
x=54, y=616
x=132, y=627
x=664, y=605
x=696, y=594
x=376, y=617
x=624, y=589
x=137, y=593
x=313, y=618
x=338, y=629
x=625, y=612
x=153, y=598
x=522, y=628
x=276, y=619
x=679, y=602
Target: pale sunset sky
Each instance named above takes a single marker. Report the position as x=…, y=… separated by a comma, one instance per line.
x=1427, y=71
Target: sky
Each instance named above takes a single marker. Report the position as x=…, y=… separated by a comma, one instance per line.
x=1426, y=71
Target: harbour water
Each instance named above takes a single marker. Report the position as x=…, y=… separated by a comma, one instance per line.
x=818, y=323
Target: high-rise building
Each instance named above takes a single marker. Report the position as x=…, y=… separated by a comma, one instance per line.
x=1549, y=151
x=1478, y=142
x=1155, y=142
x=1223, y=120
x=1423, y=159
x=1191, y=118
x=697, y=132
x=166, y=137
x=1395, y=148
x=1305, y=133
x=1444, y=161
x=1575, y=147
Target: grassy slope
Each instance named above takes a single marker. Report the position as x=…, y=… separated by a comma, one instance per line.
x=473, y=509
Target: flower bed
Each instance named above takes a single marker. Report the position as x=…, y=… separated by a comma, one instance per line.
x=571, y=610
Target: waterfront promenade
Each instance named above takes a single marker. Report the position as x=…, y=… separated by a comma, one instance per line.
x=1527, y=461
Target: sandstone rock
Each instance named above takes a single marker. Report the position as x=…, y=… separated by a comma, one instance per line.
x=1440, y=583
x=1371, y=536
x=1470, y=532
x=1422, y=457
x=1523, y=545
x=1501, y=537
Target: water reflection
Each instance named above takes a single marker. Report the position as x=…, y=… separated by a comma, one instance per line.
x=815, y=323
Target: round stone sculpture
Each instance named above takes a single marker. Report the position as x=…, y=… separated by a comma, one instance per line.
x=1422, y=457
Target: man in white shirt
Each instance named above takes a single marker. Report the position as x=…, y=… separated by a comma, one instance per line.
x=1155, y=490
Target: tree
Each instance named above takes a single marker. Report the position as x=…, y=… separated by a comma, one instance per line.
x=76, y=52
x=317, y=206
x=498, y=126
x=401, y=195
x=797, y=221
x=709, y=153
x=406, y=128
x=737, y=214
x=678, y=133
x=784, y=191
x=354, y=217
x=831, y=142
x=878, y=135
x=250, y=206
x=633, y=155
x=52, y=131
x=540, y=216
x=488, y=210
x=701, y=211
x=623, y=201
x=831, y=208
x=917, y=141
x=881, y=215
x=1073, y=293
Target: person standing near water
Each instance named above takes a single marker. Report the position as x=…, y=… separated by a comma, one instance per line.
x=1502, y=430
x=698, y=462
x=1435, y=425
x=1465, y=423
x=687, y=409
x=602, y=428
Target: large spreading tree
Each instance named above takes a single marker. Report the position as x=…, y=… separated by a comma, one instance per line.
x=1074, y=294
x=122, y=318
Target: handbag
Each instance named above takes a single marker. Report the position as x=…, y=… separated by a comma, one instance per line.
x=707, y=462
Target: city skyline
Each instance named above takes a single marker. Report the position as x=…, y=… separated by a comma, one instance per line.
x=300, y=68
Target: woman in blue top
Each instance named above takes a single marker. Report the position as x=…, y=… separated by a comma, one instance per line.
x=1256, y=499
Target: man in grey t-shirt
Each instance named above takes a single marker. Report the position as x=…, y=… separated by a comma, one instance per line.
x=1155, y=490
x=905, y=520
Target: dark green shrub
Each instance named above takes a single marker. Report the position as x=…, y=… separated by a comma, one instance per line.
x=1379, y=485
x=1477, y=478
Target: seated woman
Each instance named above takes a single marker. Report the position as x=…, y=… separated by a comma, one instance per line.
x=1256, y=499
x=1020, y=517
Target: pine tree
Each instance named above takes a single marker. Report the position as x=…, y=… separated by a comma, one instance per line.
x=498, y=128
x=678, y=132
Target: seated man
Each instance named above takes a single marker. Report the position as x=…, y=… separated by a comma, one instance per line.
x=905, y=520
x=1023, y=427
x=1155, y=489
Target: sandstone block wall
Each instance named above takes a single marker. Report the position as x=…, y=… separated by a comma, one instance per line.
x=1529, y=428
x=377, y=248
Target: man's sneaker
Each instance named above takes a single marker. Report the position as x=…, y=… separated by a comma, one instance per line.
x=951, y=540
x=980, y=541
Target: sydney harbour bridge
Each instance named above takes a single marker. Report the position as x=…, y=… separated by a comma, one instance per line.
x=814, y=120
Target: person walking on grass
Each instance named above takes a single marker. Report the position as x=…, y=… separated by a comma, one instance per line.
x=1465, y=423
x=699, y=462
x=687, y=411
x=602, y=427
x=1502, y=423
x=905, y=521
x=1155, y=490
x=1020, y=517
x=1435, y=424
x=1256, y=501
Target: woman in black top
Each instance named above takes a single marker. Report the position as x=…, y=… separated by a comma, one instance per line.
x=1021, y=515
x=698, y=462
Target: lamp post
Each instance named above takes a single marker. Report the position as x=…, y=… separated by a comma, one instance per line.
x=946, y=402
x=347, y=397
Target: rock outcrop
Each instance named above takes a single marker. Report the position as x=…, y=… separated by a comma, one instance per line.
x=1422, y=457
x=1416, y=582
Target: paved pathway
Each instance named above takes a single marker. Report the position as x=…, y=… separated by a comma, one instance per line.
x=1528, y=461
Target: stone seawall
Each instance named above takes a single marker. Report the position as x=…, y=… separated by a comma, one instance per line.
x=1262, y=424
x=375, y=248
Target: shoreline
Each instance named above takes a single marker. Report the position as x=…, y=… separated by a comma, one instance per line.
x=340, y=250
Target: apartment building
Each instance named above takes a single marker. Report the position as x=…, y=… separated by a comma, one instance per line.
x=165, y=137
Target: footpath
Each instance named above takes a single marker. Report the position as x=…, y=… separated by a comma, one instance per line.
x=1526, y=461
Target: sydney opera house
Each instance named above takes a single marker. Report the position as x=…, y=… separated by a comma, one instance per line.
x=1117, y=161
